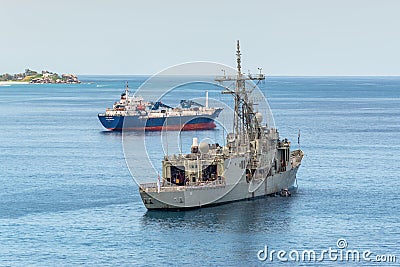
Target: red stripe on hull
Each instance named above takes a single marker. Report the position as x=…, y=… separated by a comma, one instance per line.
x=186, y=127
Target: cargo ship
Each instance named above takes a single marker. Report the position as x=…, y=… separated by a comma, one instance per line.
x=133, y=113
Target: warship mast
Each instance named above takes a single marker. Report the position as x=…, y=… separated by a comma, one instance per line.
x=245, y=125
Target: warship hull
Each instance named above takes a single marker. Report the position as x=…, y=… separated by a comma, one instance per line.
x=192, y=197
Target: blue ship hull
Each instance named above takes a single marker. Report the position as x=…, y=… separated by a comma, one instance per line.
x=136, y=123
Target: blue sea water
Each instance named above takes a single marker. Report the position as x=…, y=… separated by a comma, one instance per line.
x=68, y=198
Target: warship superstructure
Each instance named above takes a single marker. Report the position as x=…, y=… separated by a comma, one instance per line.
x=254, y=162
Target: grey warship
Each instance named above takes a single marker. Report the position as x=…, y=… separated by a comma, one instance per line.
x=254, y=162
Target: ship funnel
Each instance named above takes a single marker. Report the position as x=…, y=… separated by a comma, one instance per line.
x=206, y=99
x=195, y=145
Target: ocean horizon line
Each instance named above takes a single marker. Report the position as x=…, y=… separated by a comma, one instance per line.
x=200, y=75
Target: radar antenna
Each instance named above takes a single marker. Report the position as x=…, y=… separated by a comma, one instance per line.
x=238, y=59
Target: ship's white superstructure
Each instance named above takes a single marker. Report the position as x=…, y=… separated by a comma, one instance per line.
x=130, y=105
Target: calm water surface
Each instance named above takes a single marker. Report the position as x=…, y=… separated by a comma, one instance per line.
x=67, y=196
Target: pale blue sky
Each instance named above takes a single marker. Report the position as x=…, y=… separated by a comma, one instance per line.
x=310, y=37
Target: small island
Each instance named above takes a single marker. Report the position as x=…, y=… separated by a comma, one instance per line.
x=31, y=76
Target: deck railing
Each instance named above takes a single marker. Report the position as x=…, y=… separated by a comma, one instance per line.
x=169, y=187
